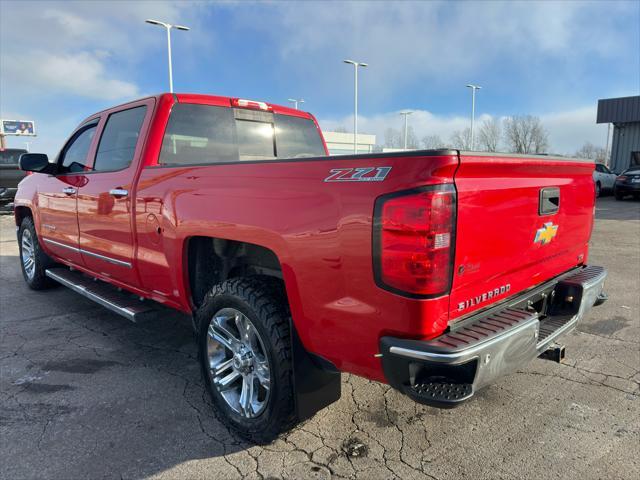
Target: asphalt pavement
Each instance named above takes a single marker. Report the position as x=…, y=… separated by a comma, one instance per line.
x=87, y=394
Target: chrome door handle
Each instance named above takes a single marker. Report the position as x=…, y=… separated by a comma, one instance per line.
x=69, y=190
x=118, y=192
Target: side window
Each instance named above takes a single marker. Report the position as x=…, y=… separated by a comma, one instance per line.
x=598, y=168
x=119, y=139
x=199, y=134
x=605, y=169
x=298, y=138
x=74, y=156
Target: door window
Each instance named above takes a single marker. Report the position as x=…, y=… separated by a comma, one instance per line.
x=119, y=139
x=74, y=156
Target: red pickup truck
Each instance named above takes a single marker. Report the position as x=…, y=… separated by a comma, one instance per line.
x=434, y=271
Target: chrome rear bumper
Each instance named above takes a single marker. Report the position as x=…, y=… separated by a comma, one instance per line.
x=492, y=344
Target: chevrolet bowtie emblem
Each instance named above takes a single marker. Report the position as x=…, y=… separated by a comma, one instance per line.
x=545, y=234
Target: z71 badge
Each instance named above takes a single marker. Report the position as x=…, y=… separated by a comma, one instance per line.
x=358, y=174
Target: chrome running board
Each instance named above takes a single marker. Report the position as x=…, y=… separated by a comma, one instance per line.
x=120, y=302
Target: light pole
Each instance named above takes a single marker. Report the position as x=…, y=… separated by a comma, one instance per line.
x=473, y=109
x=355, y=102
x=168, y=26
x=296, y=102
x=406, y=113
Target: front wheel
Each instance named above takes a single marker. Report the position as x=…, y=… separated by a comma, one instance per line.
x=598, y=189
x=245, y=355
x=618, y=195
x=33, y=260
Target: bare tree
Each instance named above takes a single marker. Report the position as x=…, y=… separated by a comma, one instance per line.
x=412, y=138
x=433, y=142
x=525, y=134
x=589, y=150
x=340, y=129
x=461, y=139
x=392, y=138
x=489, y=135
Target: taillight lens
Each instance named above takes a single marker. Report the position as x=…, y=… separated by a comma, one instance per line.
x=414, y=241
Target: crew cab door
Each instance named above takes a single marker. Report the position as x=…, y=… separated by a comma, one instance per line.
x=57, y=195
x=105, y=202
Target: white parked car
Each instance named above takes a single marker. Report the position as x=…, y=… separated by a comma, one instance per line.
x=603, y=178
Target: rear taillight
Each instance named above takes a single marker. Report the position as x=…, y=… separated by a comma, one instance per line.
x=414, y=239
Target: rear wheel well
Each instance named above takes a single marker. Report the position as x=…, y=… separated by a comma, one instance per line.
x=214, y=260
x=21, y=213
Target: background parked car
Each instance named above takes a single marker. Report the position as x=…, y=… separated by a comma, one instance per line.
x=628, y=183
x=10, y=176
x=603, y=178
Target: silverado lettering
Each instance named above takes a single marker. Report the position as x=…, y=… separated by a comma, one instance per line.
x=477, y=300
x=216, y=207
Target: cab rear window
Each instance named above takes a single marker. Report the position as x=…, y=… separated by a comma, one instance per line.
x=205, y=134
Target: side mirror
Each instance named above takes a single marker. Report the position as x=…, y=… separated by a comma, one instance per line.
x=36, y=162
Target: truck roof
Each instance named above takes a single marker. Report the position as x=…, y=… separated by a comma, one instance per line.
x=218, y=100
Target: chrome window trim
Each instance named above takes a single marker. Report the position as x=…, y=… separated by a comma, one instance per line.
x=114, y=261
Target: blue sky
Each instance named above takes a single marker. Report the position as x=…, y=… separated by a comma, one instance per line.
x=61, y=61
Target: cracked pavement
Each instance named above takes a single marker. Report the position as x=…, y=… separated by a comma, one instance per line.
x=87, y=394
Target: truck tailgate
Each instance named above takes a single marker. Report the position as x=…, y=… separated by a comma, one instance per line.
x=508, y=236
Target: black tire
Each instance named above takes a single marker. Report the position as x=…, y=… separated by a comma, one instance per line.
x=598, y=189
x=618, y=195
x=263, y=302
x=37, y=280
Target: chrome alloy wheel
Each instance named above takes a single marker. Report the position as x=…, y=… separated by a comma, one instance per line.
x=238, y=363
x=28, y=254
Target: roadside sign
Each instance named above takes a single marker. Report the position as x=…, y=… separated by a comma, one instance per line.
x=18, y=127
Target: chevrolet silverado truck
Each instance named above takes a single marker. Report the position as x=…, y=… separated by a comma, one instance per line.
x=434, y=271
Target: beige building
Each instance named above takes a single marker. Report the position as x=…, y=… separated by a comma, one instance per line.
x=340, y=143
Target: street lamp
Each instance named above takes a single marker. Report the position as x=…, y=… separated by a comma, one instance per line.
x=296, y=102
x=406, y=113
x=473, y=109
x=355, y=96
x=168, y=26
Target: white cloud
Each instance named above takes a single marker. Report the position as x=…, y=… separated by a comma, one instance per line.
x=83, y=74
x=568, y=130
x=60, y=61
x=437, y=42
x=80, y=49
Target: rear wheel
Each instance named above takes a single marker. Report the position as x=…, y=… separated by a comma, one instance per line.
x=245, y=356
x=33, y=260
x=598, y=189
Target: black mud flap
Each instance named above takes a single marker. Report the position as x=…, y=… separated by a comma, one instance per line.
x=316, y=380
